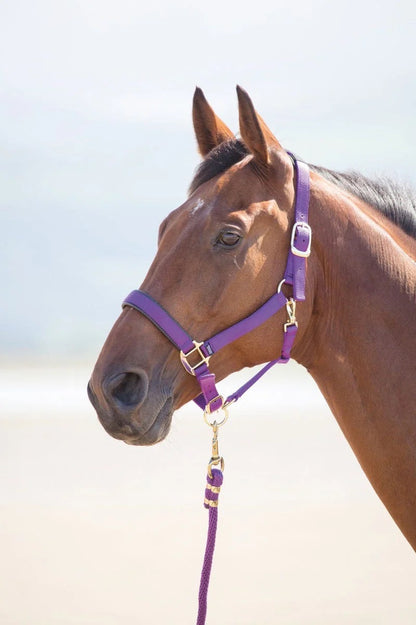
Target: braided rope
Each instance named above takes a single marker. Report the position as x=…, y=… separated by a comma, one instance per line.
x=211, y=503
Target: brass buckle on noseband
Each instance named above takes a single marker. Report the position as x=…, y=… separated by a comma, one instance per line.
x=202, y=358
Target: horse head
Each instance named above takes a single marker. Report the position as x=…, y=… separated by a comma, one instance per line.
x=220, y=255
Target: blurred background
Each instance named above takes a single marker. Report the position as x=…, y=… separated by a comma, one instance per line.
x=96, y=147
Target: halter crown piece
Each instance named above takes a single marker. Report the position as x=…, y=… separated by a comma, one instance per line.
x=195, y=355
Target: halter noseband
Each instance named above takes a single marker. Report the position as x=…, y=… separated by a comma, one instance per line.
x=195, y=355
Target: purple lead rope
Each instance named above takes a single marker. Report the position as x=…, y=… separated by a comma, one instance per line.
x=211, y=503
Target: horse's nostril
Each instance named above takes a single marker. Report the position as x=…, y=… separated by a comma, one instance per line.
x=129, y=389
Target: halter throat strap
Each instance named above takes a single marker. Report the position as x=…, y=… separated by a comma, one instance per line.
x=195, y=355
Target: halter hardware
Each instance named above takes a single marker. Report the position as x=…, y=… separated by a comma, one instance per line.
x=306, y=234
x=291, y=311
x=216, y=423
x=209, y=410
x=202, y=358
x=216, y=459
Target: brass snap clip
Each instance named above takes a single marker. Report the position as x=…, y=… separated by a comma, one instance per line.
x=216, y=459
x=291, y=313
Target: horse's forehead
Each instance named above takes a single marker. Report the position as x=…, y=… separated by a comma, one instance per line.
x=234, y=190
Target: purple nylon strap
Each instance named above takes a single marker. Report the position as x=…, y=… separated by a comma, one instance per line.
x=180, y=338
x=294, y=275
x=295, y=272
x=288, y=340
x=160, y=318
x=239, y=329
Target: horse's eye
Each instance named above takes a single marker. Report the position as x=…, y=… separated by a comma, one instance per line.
x=228, y=239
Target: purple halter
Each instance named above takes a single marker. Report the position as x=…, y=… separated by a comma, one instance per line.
x=195, y=355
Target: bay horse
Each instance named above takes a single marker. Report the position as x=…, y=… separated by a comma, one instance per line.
x=221, y=255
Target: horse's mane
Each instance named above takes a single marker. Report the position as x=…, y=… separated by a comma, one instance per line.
x=397, y=202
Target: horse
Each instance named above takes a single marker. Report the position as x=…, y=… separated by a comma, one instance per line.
x=222, y=254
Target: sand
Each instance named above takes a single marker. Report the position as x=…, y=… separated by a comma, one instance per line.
x=95, y=532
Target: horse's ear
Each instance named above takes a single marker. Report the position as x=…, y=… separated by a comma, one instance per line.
x=254, y=132
x=210, y=131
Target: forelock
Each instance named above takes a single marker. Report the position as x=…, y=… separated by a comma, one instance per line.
x=218, y=161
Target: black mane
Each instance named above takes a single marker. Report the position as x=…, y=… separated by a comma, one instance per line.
x=397, y=202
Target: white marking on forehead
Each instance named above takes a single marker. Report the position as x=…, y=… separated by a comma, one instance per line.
x=199, y=204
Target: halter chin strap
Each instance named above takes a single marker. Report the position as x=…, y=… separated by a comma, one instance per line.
x=195, y=356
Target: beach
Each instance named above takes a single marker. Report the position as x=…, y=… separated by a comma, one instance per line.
x=96, y=532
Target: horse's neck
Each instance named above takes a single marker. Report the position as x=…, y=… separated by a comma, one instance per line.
x=364, y=344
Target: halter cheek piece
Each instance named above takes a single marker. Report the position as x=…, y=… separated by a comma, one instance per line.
x=195, y=356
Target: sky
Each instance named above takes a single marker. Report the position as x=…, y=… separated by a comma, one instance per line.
x=97, y=144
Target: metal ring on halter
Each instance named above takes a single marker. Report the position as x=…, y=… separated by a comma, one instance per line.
x=215, y=423
x=281, y=283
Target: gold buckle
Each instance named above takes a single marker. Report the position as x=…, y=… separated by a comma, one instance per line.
x=184, y=358
x=207, y=408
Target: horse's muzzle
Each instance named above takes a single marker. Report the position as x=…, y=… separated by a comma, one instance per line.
x=121, y=406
